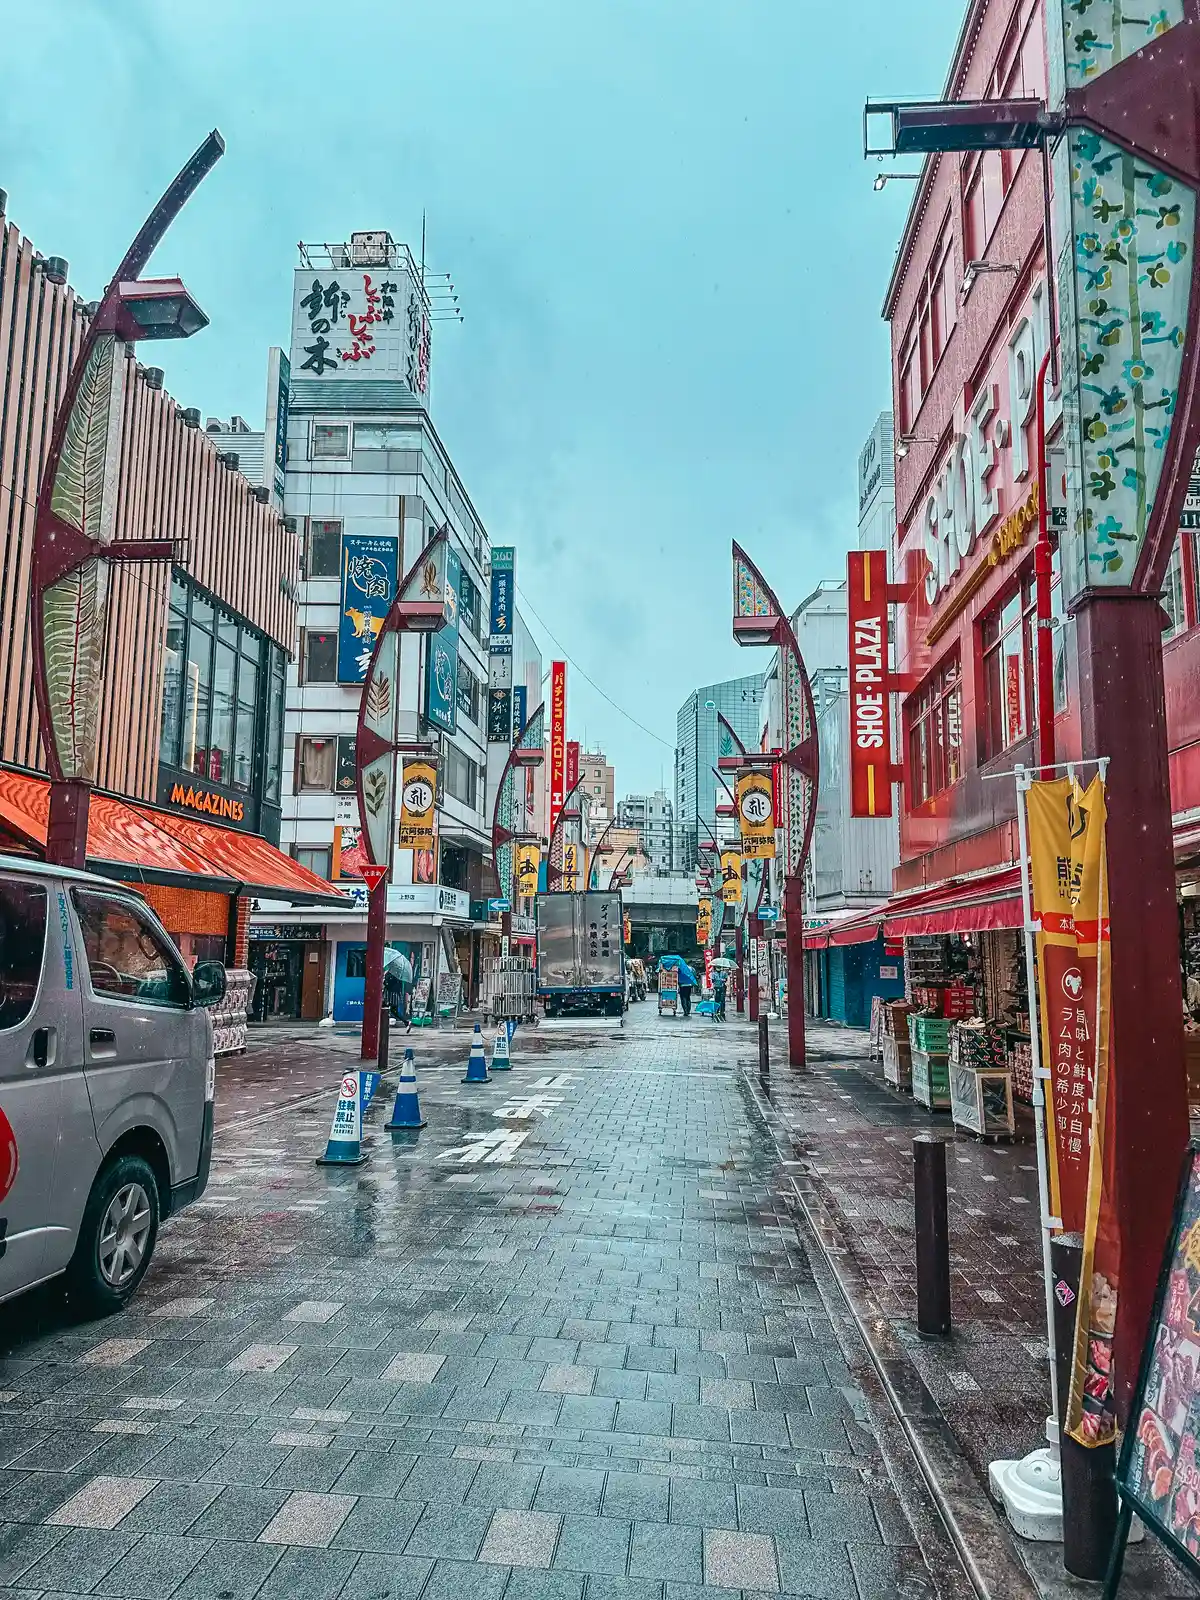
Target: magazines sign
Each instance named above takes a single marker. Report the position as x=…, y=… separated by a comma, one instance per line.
x=870, y=717
x=1070, y=905
x=756, y=814
x=369, y=576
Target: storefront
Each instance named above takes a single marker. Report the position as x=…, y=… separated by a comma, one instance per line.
x=429, y=924
x=844, y=980
x=290, y=963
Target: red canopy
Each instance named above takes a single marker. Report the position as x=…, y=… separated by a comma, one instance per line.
x=967, y=905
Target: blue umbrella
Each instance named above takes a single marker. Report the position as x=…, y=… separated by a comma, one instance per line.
x=685, y=972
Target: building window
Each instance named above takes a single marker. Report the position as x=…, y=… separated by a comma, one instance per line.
x=461, y=776
x=385, y=436
x=316, y=762
x=324, y=548
x=331, y=441
x=935, y=733
x=320, y=657
x=276, y=695
x=1172, y=595
x=1008, y=636
x=213, y=690
x=316, y=857
x=469, y=692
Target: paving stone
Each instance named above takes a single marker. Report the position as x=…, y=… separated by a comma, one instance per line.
x=573, y=1489
x=251, y=1464
x=594, y=1544
x=453, y=1580
x=842, y=1517
x=79, y=1561
x=308, y=1519
x=114, y=1352
x=410, y=1367
x=238, y=1512
x=438, y=1479
x=373, y=1472
x=569, y=1380
x=703, y=1504
x=662, y=1551
x=816, y=1567
x=261, y=1358
x=170, y=1508
x=530, y=1585
x=157, y=1565
x=521, y=1539
x=640, y=1496
x=453, y=1532
x=101, y=1503
x=380, y=1577
x=740, y=1560
x=509, y=1486
x=308, y=1575
x=762, y=1509
x=314, y=1311
x=379, y=1525
x=22, y=1547
x=612, y=1588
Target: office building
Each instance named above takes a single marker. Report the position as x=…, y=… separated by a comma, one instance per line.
x=697, y=747
x=652, y=816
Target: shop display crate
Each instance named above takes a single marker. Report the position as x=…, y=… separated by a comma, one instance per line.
x=982, y=1102
x=929, y=1033
x=931, y=1079
x=897, y=1064
x=1020, y=1064
x=928, y=997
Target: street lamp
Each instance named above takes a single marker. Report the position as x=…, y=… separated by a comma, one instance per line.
x=508, y=828
x=759, y=619
x=73, y=541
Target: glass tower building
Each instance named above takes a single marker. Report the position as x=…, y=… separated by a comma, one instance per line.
x=739, y=701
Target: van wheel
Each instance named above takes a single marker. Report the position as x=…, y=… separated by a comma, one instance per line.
x=116, y=1238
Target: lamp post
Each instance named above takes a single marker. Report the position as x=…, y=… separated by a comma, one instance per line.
x=568, y=812
x=759, y=619
x=73, y=540
x=421, y=605
x=510, y=817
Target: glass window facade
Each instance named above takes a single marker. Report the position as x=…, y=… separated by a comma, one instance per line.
x=935, y=733
x=222, y=704
x=1008, y=636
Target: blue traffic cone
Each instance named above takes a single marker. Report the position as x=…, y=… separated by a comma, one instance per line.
x=406, y=1113
x=477, y=1071
x=500, y=1061
x=345, y=1136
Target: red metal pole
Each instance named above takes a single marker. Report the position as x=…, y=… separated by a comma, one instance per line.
x=373, y=984
x=1042, y=574
x=793, y=911
x=739, y=976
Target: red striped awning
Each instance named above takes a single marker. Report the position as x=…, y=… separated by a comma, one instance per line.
x=988, y=900
x=132, y=841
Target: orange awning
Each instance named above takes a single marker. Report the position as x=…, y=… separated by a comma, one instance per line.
x=988, y=900
x=133, y=841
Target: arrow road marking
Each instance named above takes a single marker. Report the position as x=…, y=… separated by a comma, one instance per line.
x=529, y=1106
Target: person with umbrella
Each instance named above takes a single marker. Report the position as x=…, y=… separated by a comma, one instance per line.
x=397, y=983
x=687, y=981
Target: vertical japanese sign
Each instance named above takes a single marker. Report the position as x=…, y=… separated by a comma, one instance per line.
x=572, y=861
x=572, y=775
x=501, y=627
x=1070, y=902
x=558, y=739
x=756, y=814
x=703, y=920
x=279, y=378
x=418, y=792
x=731, y=876
x=369, y=577
x=520, y=710
x=365, y=321
x=528, y=859
x=441, y=660
x=870, y=719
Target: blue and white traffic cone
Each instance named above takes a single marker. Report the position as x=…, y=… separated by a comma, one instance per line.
x=477, y=1071
x=406, y=1113
x=500, y=1061
x=345, y=1136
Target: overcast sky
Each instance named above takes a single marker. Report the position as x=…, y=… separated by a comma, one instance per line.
x=657, y=216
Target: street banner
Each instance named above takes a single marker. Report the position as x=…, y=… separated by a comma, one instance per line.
x=369, y=577
x=570, y=868
x=626, y=929
x=756, y=814
x=558, y=740
x=349, y=856
x=520, y=712
x=503, y=580
x=731, y=876
x=572, y=773
x=346, y=775
x=441, y=659
x=418, y=794
x=870, y=715
x=703, y=920
x=526, y=863
x=1070, y=904
x=499, y=716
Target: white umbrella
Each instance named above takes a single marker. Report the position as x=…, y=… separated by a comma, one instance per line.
x=397, y=965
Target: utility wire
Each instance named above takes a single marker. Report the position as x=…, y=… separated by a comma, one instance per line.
x=525, y=600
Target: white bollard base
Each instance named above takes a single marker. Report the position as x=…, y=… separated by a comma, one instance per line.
x=1031, y=1492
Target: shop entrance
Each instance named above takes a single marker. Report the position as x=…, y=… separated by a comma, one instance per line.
x=279, y=967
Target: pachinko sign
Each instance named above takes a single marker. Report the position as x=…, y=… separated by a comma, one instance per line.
x=870, y=715
x=558, y=739
x=1070, y=904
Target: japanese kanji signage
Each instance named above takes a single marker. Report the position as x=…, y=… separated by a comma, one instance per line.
x=361, y=321
x=1070, y=901
x=870, y=717
x=731, y=876
x=418, y=793
x=528, y=861
x=369, y=575
x=558, y=738
x=756, y=814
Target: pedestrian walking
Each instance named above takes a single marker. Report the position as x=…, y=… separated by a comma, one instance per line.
x=686, y=984
x=719, y=987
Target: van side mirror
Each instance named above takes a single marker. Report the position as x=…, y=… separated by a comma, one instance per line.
x=208, y=983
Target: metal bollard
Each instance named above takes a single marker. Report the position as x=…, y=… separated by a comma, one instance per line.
x=932, y=1237
x=385, y=1028
x=764, y=1048
x=1088, y=1476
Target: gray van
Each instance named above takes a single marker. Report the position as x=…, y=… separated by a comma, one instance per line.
x=106, y=1081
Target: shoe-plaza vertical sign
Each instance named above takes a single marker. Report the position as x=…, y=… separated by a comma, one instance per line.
x=870, y=714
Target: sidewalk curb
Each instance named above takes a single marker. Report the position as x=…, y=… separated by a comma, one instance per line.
x=980, y=1540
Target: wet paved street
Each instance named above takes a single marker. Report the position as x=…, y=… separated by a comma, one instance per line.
x=564, y=1342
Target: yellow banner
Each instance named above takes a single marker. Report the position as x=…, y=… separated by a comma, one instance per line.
x=527, y=860
x=703, y=921
x=572, y=862
x=418, y=793
x=731, y=876
x=756, y=813
x=1070, y=901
